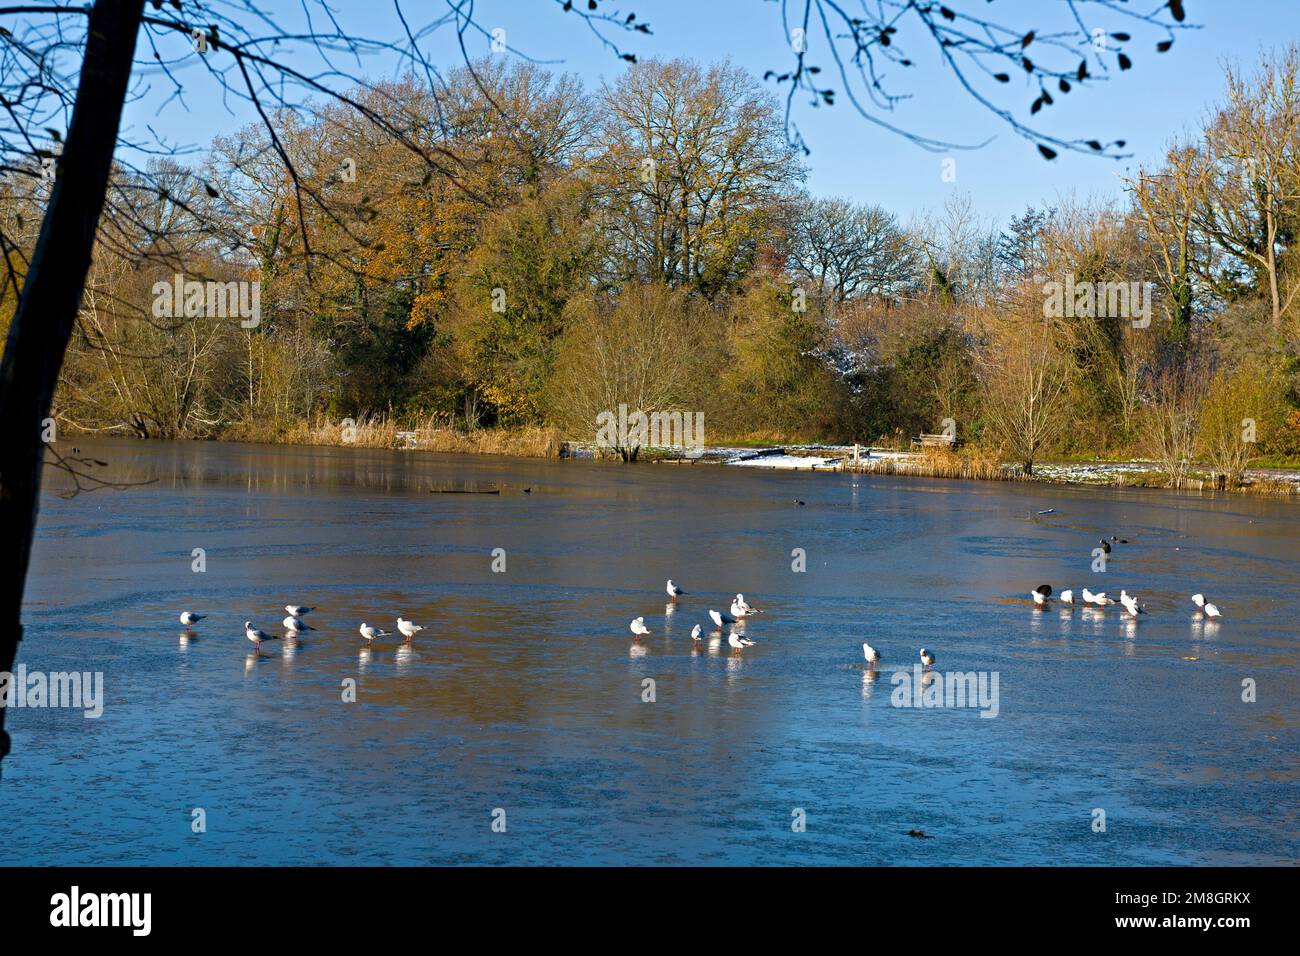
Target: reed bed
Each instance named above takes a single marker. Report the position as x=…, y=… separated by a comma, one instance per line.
x=432, y=434
x=939, y=463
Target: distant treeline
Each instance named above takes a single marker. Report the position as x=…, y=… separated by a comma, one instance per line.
x=553, y=251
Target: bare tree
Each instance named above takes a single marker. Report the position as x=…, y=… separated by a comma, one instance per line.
x=1254, y=151
x=1026, y=371
x=1173, y=416
x=843, y=250
x=1166, y=203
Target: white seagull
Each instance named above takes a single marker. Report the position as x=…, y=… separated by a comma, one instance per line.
x=1067, y=597
x=638, y=626
x=870, y=653
x=408, y=628
x=297, y=610
x=1098, y=599
x=1130, y=603
x=744, y=607
x=1041, y=593
x=256, y=636
x=1209, y=609
x=695, y=633
x=189, y=617
x=736, y=641
x=673, y=590
x=720, y=619
x=927, y=658
x=295, y=624
x=370, y=633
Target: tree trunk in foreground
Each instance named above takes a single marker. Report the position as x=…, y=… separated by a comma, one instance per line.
x=51, y=296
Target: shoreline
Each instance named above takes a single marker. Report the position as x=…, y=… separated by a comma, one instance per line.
x=544, y=444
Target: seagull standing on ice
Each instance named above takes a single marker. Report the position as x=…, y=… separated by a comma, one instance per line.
x=1041, y=593
x=1098, y=599
x=870, y=653
x=1130, y=603
x=720, y=619
x=736, y=641
x=673, y=590
x=408, y=629
x=189, y=618
x=1067, y=597
x=370, y=633
x=740, y=600
x=638, y=626
x=256, y=636
x=695, y=633
x=1209, y=609
x=294, y=625
x=927, y=658
x=297, y=610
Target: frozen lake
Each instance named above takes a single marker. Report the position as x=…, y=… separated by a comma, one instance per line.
x=524, y=693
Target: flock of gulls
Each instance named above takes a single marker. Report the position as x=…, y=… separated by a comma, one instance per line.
x=740, y=609
x=295, y=625
x=1042, y=594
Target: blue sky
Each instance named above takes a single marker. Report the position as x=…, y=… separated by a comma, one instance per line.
x=1161, y=97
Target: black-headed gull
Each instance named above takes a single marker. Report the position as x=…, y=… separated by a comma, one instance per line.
x=295, y=624
x=1130, y=603
x=720, y=619
x=741, y=608
x=1041, y=593
x=256, y=636
x=1210, y=610
x=673, y=590
x=638, y=627
x=736, y=641
x=370, y=633
x=298, y=610
x=870, y=653
x=408, y=628
x=695, y=633
x=1067, y=597
x=1098, y=599
x=927, y=658
x=189, y=618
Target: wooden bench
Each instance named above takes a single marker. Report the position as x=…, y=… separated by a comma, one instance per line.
x=934, y=441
